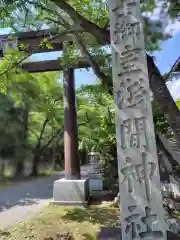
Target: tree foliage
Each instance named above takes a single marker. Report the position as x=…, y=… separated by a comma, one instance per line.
x=31, y=113
x=178, y=103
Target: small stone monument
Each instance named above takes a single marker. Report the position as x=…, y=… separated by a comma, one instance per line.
x=95, y=181
x=142, y=214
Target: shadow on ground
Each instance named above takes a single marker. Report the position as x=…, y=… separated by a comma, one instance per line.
x=95, y=215
x=22, y=202
x=28, y=193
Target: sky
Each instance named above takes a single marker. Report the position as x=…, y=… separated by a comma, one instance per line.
x=165, y=60
x=170, y=51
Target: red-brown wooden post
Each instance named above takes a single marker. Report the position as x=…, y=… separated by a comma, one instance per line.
x=72, y=163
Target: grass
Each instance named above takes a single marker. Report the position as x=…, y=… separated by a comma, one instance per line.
x=80, y=223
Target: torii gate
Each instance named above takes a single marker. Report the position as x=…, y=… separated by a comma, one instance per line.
x=34, y=38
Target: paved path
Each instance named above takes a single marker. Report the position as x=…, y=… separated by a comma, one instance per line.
x=19, y=202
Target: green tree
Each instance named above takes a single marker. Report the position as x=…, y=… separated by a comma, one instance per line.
x=10, y=128
x=49, y=107
x=37, y=101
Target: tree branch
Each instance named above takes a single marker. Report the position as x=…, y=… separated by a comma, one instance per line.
x=60, y=131
x=39, y=5
x=34, y=132
x=76, y=28
x=54, y=21
x=38, y=144
x=104, y=79
x=102, y=35
x=173, y=68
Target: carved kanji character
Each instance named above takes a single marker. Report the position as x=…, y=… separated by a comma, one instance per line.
x=133, y=225
x=148, y=220
x=133, y=134
x=141, y=173
x=132, y=228
x=131, y=93
x=131, y=174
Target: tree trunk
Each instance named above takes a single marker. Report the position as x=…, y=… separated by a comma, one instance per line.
x=164, y=98
x=53, y=166
x=36, y=158
x=2, y=168
x=35, y=165
x=19, y=168
x=170, y=203
x=83, y=156
x=60, y=158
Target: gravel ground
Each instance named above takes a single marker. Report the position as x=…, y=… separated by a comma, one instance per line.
x=19, y=202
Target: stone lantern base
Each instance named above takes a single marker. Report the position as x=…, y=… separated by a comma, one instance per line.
x=71, y=192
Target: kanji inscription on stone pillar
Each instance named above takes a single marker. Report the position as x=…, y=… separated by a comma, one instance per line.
x=142, y=214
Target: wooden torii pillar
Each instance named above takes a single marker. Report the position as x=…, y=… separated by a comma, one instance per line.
x=71, y=155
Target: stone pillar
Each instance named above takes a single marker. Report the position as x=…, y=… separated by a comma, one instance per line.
x=71, y=156
x=142, y=214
